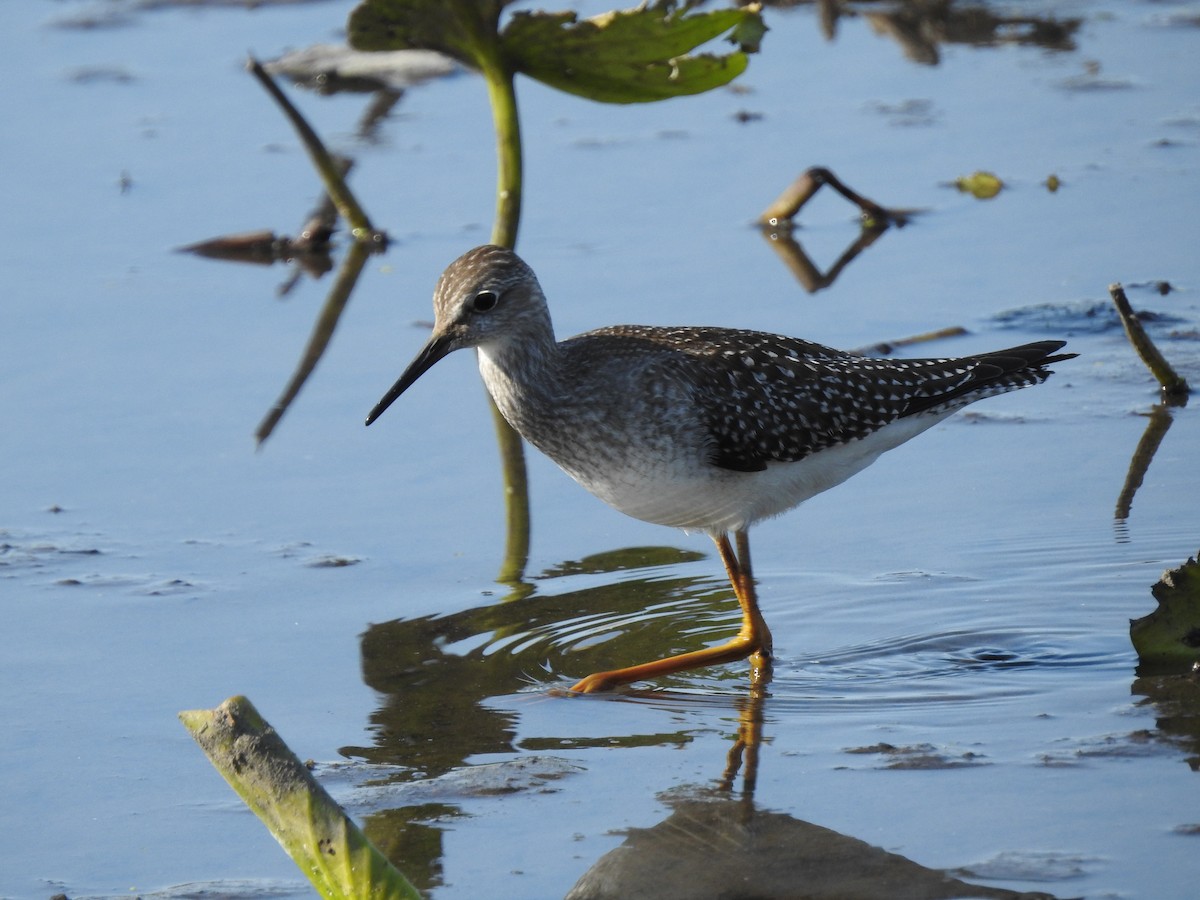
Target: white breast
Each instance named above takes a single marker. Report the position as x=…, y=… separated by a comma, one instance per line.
x=716, y=500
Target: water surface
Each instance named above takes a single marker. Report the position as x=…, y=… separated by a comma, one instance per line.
x=955, y=682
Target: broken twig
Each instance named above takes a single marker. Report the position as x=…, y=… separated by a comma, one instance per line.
x=327, y=167
x=800, y=191
x=1174, y=388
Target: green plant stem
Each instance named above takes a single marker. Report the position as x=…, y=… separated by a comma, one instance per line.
x=328, y=847
x=503, y=97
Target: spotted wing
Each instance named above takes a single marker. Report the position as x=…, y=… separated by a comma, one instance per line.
x=776, y=400
x=772, y=398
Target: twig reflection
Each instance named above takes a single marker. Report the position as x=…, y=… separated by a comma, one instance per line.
x=1156, y=429
x=811, y=278
x=920, y=28
x=322, y=333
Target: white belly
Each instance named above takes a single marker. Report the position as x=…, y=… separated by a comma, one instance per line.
x=717, y=500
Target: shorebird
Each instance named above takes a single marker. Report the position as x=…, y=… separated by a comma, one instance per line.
x=706, y=429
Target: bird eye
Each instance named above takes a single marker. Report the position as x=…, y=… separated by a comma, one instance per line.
x=484, y=301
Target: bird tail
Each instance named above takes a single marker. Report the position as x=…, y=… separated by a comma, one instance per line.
x=989, y=374
x=1035, y=355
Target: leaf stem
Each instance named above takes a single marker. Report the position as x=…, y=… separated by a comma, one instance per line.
x=503, y=98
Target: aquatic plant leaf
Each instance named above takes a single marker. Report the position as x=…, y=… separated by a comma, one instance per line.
x=981, y=185
x=1169, y=637
x=631, y=56
x=458, y=28
x=624, y=56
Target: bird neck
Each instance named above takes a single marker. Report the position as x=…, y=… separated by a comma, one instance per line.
x=523, y=370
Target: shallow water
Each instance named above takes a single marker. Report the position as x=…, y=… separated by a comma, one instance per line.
x=955, y=681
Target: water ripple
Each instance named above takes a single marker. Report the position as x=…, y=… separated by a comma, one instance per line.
x=950, y=666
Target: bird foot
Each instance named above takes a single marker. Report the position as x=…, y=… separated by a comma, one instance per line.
x=740, y=647
x=594, y=684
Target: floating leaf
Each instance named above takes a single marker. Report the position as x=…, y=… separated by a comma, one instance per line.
x=625, y=56
x=981, y=185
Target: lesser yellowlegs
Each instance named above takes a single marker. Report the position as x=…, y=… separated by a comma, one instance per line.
x=710, y=429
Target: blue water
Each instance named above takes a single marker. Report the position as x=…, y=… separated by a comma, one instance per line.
x=969, y=594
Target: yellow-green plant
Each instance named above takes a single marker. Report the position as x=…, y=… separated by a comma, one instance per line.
x=322, y=840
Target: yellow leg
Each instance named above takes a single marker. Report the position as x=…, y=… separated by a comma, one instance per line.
x=753, y=639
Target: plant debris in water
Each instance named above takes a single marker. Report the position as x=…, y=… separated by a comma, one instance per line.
x=980, y=185
x=1169, y=637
